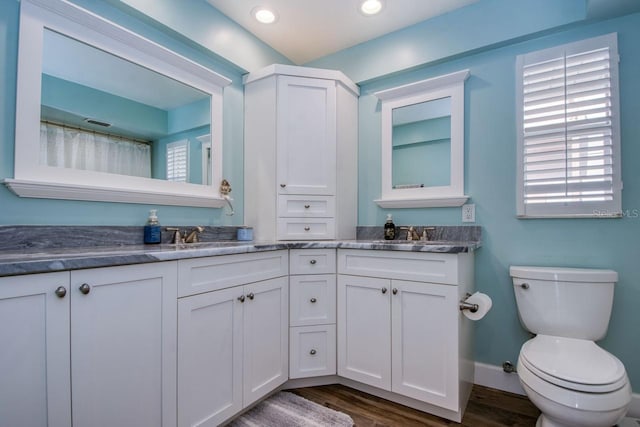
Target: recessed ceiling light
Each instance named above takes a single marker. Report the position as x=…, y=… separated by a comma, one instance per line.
x=370, y=7
x=264, y=15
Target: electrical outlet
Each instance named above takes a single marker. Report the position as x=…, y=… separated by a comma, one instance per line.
x=469, y=213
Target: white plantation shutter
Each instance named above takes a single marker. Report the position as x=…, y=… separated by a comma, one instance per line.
x=178, y=161
x=568, y=124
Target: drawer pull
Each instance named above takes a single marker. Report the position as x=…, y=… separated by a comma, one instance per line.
x=307, y=228
x=283, y=185
x=307, y=206
x=312, y=262
x=313, y=300
x=313, y=352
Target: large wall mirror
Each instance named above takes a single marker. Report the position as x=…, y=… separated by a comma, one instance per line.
x=423, y=143
x=104, y=114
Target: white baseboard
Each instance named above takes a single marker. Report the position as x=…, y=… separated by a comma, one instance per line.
x=494, y=377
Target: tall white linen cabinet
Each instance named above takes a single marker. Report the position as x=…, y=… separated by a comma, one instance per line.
x=300, y=154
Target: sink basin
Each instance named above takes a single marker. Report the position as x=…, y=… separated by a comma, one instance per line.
x=410, y=242
x=202, y=245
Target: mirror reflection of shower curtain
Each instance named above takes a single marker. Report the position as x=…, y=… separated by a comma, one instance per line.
x=68, y=147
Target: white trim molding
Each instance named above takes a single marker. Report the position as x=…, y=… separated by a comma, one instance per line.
x=54, y=190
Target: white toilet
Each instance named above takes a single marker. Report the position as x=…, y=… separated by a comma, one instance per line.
x=564, y=372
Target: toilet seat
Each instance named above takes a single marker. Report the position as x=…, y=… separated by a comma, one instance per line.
x=574, y=364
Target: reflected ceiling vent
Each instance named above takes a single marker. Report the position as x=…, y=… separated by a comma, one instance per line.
x=97, y=122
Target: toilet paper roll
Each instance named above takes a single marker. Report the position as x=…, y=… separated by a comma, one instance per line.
x=484, y=305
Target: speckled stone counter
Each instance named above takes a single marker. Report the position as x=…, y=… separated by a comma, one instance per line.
x=28, y=261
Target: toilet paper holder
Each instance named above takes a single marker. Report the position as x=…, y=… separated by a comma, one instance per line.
x=464, y=305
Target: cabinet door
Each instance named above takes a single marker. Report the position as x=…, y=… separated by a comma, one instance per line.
x=34, y=351
x=364, y=330
x=306, y=128
x=424, y=346
x=266, y=337
x=123, y=346
x=209, y=357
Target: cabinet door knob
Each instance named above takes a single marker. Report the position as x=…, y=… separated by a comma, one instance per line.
x=313, y=351
x=384, y=290
x=85, y=288
x=241, y=298
x=61, y=291
x=395, y=291
x=251, y=296
x=307, y=206
x=313, y=300
x=283, y=185
x=312, y=262
x=307, y=228
x=525, y=286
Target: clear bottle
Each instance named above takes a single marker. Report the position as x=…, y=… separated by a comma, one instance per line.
x=152, y=230
x=389, y=229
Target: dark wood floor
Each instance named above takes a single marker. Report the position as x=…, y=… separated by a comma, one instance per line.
x=487, y=408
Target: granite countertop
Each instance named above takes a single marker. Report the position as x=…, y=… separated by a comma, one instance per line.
x=28, y=261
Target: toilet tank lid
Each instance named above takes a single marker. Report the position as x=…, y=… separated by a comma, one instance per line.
x=562, y=274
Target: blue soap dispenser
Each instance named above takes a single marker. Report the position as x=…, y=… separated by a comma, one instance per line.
x=152, y=231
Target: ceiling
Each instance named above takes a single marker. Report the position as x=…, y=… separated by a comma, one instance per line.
x=310, y=29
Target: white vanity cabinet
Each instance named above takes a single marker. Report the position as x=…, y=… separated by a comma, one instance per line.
x=103, y=338
x=233, y=336
x=312, y=313
x=400, y=328
x=301, y=152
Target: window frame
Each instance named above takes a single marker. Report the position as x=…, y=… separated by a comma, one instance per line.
x=582, y=209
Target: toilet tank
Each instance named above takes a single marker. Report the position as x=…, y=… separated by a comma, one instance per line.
x=565, y=302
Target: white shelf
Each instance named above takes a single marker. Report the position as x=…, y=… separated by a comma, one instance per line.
x=431, y=202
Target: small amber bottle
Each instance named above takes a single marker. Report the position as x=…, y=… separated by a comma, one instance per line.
x=389, y=229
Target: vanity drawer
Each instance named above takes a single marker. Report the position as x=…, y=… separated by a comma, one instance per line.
x=307, y=206
x=306, y=229
x=312, y=261
x=312, y=299
x=414, y=266
x=313, y=351
x=200, y=275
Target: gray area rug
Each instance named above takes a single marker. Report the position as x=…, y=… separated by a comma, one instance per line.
x=290, y=410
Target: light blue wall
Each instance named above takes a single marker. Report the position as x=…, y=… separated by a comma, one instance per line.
x=490, y=174
x=127, y=116
x=481, y=25
x=15, y=210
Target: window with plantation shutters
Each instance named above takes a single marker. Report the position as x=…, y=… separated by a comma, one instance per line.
x=178, y=161
x=568, y=131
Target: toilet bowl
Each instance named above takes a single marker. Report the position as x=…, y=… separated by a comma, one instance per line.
x=572, y=380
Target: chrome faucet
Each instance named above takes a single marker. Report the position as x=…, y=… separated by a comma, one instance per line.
x=182, y=236
x=425, y=233
x=177, y=235
x=412, y=233
x=192, y=237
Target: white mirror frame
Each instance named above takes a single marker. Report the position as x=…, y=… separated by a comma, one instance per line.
x=449, y=85
x=32, y=179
